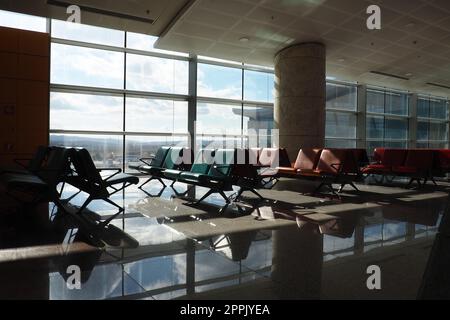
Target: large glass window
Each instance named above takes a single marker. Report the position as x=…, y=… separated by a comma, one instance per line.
x=219, y=82
x=86, y=33
x=341, y=119
x=340, y=125
x=153, y=115
x=105, y=150
x=228, y=116
x=235, y=105
x=341, y=97
x=432, y=122
x=145, y=42
x=22, y=21
x=258, y=126
x=258, y=86
x=89, y=102
x=387, y=122
x=71, y=65
x=89, y=112
x=154, y=74
x=137, y=147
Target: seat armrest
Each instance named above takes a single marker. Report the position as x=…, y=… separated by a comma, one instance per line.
x=145, y=160
x=219, y=167
x=117, y=171
x=19, y=162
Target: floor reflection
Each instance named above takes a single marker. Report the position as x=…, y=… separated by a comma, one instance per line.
x=294, y=247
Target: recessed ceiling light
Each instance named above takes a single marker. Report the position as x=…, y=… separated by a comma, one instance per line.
x=244, y=39
x=409, y=74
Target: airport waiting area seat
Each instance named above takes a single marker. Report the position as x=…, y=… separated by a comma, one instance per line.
x=327, y=166
x=28, y=166
x=211, y=169
x=267, y=160
x=86, y=177
x=420, y=165
x=166, y=158
x=61, y=166
x=41, y=182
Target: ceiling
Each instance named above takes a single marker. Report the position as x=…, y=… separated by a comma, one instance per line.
x=414, y=41
x=142, y=16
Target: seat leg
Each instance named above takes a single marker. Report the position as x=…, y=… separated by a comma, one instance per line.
x=148, y=180
x=72, y=196
x=206, y=195
x=434, y=181
x=319, y=187
x=239, y=194
x=342, y=188
x=155, y=195
x=419, y=183
x=107, y=221
x=330, y=187
x=354, y=186
x=162, y=182
x=224, y=196
x=84, y=205
x=256, y=193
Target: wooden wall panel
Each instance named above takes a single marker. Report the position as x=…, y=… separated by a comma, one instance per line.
x=33, y=68
x=34, y=43
x=24, y=93
x=8, y=65
x=9, y=40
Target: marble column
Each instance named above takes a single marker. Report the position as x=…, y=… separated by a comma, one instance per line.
x=300, y=96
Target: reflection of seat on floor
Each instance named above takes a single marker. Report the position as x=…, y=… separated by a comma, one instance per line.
x=341, y=227
x=338, y=226
x=86, y=261
x=239, y=244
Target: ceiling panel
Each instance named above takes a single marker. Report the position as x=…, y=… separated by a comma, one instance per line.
x=414, y=39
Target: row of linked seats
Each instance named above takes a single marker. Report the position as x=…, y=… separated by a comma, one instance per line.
x=216, y=169
x=258, y=168
x=420, y=165
x=43, y=178
x=327, y=166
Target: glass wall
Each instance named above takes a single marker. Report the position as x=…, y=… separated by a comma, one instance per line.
x=120, y=104
x=116, y=94
x=235, y=105
x=432, y=122
x=341, y=118
x=387, y=119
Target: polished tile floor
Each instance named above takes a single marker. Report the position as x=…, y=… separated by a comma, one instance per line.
x=291, y=246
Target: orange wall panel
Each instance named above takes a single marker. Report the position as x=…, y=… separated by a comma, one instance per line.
x=8, y=91
x=8, y=65
x=24, y=93
x=33, y=68
x=9, y=40
x=34, y=43
x=33, y=93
